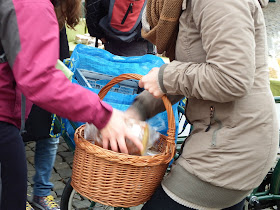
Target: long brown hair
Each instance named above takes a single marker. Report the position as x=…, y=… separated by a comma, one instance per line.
x=68, y=12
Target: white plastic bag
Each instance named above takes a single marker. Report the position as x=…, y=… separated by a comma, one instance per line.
x=145, y=133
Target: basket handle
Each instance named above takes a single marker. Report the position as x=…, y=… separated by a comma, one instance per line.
x=167, y=104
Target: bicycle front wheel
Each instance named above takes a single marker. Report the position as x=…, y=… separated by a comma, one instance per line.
x=71, y=200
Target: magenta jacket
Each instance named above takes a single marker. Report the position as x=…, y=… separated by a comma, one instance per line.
x=29, y=50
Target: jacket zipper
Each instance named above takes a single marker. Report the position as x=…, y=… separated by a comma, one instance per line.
x=129, y=9
x=212, y=117
x=212, y=110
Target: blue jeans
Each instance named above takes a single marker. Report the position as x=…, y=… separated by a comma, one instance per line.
x=45, y=154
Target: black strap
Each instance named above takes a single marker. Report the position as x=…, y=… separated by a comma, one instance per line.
x=23, y=109
x=3, y=58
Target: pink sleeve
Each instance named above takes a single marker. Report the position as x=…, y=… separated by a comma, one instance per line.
x=35, y=73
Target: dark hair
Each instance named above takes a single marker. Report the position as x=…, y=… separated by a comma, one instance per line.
x=68, y=12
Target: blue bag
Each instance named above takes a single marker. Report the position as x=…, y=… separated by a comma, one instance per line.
x=87, y=62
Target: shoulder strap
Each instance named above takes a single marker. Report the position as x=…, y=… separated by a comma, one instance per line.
x=23, y=107
x=3, y=58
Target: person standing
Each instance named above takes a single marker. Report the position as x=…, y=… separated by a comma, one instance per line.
x=220, y=66
x=37, y=127
x=96, y=12
x=29, y=50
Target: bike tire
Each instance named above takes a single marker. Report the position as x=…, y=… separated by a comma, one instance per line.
x=67, y=198
x=67, y=191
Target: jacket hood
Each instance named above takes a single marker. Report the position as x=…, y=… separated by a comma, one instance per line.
x=263, y=3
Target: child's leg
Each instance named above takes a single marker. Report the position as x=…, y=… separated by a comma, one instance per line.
x=45, y=155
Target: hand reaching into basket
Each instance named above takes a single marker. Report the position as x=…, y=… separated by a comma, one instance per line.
x=150, y=83
x=115, y=132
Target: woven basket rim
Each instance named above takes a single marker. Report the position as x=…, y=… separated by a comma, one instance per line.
x=149, y=160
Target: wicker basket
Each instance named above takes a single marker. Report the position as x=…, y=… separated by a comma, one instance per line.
x=118, y=179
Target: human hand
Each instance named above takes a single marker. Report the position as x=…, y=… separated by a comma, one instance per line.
x=151, y=84
x=115, y=133
x=132, y=113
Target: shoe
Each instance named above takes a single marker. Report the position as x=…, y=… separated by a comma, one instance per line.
x=45, y=203
x=28, y=206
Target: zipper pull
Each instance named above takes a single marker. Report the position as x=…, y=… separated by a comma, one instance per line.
x=212, y=110
x=129, y=9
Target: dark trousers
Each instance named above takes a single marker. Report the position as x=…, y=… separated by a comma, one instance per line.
x=13, y=168
x=161, y=201
x=134, y=48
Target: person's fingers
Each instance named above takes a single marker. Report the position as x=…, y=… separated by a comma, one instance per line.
x=122, y=145
x=114, y=145
x=141, y=84
x=157, y=94
x=105, y=142
x=135, y=140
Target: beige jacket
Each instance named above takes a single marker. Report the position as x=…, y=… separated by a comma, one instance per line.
x=221, y=67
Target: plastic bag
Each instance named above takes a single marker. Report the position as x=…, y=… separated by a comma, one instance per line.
x=101, y=61
x=145, y=133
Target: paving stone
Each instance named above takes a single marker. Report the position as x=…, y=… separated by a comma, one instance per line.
x=31, y=159
x=69, y=160
x=30, y=167
x=61, y=165
x=81, y=204
x=55, y=177
x=62, y=149
x=59, y=192
x=27, y=148
x=66, y=154
x=63, y=144
x=31, y=144
x=58, y=185
x=29, y=194
x=66, y=173
x=53, y=194
x=30, y=180
x=30, y=173
x=29, y=153
x=58, y=158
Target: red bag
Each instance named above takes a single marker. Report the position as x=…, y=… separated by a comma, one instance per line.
x=123, y=21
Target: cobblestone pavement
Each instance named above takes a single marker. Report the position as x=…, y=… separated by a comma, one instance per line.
x=64, y=159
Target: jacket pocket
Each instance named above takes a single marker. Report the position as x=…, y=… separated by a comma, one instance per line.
x=213, y=119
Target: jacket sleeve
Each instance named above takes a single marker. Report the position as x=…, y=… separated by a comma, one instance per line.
x=35, y=73
x=227, y=33
x=148, y=106
x=95, y=10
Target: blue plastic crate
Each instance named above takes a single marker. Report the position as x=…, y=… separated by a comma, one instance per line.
x=96, y=80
